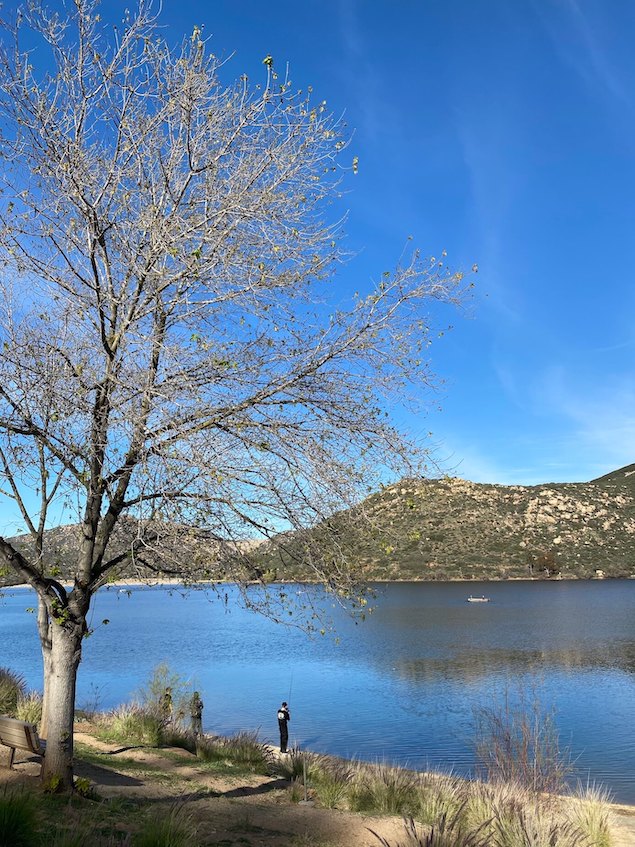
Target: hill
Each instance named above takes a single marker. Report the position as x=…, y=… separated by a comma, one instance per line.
x=450, y=528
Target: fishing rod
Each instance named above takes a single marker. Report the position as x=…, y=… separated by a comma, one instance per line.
x=290, y=687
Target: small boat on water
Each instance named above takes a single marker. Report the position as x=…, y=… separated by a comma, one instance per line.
x=481, y=599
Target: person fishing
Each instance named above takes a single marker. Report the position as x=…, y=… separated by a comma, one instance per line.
x=196, y=714
x=166, y=706
x=283, y=719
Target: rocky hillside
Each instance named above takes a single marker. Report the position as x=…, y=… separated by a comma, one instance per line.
x=454, y=529
x=450, y=528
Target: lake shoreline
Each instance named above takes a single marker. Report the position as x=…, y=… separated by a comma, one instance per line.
x=168, y=581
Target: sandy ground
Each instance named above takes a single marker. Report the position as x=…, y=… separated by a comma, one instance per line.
x=253, y=811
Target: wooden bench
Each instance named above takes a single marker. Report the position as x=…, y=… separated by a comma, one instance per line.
x=19, y=735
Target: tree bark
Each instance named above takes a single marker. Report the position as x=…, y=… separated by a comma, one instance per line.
x=44, y=630
x=63, y=662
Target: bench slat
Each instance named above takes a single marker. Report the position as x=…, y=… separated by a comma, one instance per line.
x=19, y=734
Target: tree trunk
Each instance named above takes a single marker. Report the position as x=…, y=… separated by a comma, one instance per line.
x=61, y=666
x=44, y=629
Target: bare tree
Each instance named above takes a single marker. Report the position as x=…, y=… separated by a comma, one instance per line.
x=172, y=355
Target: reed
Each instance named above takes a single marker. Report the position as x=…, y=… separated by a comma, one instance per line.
x=520, y=746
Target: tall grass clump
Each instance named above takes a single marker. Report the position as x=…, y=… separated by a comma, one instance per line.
x=17, y=819
x=174, y=829
x=448, y=831
x=383, y=789
x=242, y=749
x=439, y=796
x=588, y=810
x=210, y=749
x=536, y=826
x=296, y=762
x=174, y=736
x=331, y=782
x=12, y=687
x=131, y=724
x=29, y=707
x=245, y=749
x=520, y=745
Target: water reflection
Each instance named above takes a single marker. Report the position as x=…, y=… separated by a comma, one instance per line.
x=403, y=686
x=473, y=666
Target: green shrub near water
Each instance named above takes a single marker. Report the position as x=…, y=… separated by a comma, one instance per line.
x=537, y=826
x=296, y=762
x=588, y=811
x=244, y=748
x=151, y=696
x=448, y=831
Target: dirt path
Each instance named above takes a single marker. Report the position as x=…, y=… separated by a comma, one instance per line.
x=246, y=811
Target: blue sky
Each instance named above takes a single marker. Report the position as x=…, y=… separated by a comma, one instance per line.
x=502, y=131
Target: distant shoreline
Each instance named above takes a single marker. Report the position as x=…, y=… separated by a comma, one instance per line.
x=167, y=581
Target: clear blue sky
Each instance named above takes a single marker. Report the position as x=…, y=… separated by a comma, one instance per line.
x=504, y=132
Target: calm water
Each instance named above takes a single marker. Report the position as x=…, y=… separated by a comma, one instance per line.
x=403, y=686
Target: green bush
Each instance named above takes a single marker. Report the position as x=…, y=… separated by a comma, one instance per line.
x=210, y=750
x=17, y=819
x=152, y=696
x=12, y=687
x=175, y=737
x=589, y=812
x=536, y=827
x=242, y=749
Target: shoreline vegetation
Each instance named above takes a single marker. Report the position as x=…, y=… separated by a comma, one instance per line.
x=168, y=581
x=179, y=791
x=143, y=779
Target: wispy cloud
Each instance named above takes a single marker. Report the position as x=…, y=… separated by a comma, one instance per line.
x=359, y=67
x=600, y=416
x=577, y=41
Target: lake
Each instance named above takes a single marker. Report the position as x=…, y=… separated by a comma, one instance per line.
x=403, y=686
